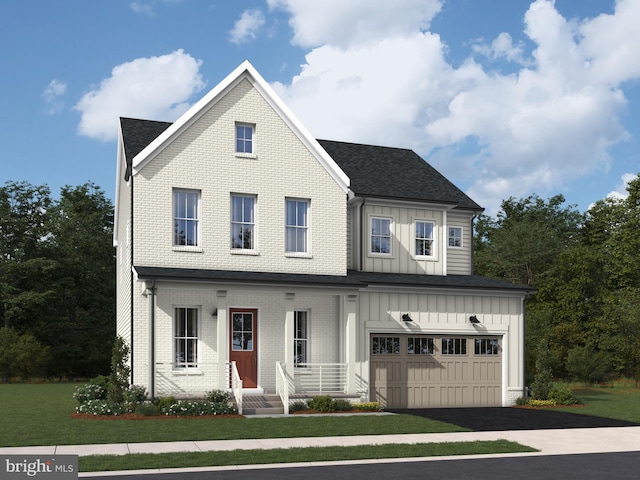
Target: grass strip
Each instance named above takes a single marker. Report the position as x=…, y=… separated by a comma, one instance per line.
x=141, y=461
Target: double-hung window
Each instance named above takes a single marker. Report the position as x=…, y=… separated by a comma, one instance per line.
x=243, y=222
x=245, y=141
x=381, y=235
x=455, y=237
x=297, y=226
x=424, y=238
x=186, y=218
x=186, y=337
x=300, y=339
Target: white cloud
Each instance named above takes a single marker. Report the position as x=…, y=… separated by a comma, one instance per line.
x=52, y=95
x=247, y=26
x=621, y=189
x=157, y=88
x=353, y=23
x=387, y=81
x=146, y=7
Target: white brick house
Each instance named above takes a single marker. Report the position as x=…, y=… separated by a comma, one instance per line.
x=247, y=248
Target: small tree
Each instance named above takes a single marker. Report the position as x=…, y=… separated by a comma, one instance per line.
x=20, y=355
x=588, y=366
x=543, y=380
x=120, y=371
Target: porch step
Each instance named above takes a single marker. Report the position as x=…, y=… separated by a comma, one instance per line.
x=262, y=404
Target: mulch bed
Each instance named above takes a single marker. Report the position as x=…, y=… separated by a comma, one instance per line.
x=135, y=416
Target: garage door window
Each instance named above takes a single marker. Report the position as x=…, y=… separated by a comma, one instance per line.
x=385, y=345
x=454, y=346
x=486, y=346
x=420, y=346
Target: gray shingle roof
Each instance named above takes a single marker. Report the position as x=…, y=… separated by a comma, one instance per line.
x=394, y=173
x=354, y=279
x=374, y=171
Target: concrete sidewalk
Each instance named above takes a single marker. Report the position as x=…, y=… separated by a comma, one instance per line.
x=548, y=442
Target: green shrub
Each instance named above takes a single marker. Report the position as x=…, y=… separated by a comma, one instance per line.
x=298, y=406
x=218, y=396
x=87, y=392
x=196, y=408
x=133, y=396
x=342, y=405
x=100, y=407
x=522, y=401
x=367, y=406
x=589, y=366
x=322, y=403
x=100, y=380
x=147, y=409
x=561, y=394
x=163, y=403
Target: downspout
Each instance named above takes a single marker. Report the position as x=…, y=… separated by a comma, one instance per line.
x=131, y=306
x=152, y=367
x=362, y=235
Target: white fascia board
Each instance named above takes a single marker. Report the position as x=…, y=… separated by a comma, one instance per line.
x=309, y=141
x=245, y=70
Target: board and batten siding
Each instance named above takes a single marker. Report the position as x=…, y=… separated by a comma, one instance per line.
x=402, y=258
x=459, y=260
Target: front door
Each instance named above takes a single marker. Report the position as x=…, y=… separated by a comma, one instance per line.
x=244, y=344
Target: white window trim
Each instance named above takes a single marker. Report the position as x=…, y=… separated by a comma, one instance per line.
x=461, y=237
x=186, y=370
x=244, y=251
x=434, y=241
x=186, y=248
x=370, y=236
x=254, y=145
x=307, y=251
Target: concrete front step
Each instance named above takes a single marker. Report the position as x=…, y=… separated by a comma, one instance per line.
x=262, y=405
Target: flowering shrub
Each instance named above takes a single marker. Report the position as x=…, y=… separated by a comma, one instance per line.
x=195, y=408
x=87, y=392
x=541, y=403
x=367, y=406
x=134, y=396
x=100, y=407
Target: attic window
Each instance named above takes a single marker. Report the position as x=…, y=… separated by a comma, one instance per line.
x=245, y=139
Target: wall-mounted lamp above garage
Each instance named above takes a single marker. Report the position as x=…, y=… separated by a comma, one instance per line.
x=214, y=314
x=474, y=319
x=406, y=318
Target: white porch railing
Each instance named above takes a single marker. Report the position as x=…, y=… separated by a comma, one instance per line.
x=236, y=386
x=320, y=378
x=283, y=385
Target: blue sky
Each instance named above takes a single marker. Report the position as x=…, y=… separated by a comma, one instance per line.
x=505, y=98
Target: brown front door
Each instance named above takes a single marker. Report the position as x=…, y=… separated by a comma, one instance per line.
x=244, y=344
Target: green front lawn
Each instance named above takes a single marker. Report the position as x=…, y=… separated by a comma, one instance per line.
x=40, y=414
x=620, y=401
x=294, y=455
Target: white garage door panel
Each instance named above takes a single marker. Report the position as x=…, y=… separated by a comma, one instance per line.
x=402, y=379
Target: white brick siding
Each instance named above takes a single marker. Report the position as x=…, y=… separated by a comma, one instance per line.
x=203, y=159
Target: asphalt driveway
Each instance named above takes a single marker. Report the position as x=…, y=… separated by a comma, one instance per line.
x=490, y=419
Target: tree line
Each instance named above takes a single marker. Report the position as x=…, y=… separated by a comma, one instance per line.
x=586, y=269
x=57, y=281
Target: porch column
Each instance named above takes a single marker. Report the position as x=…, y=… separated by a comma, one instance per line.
x=351, y=342
x=223, y=339
x=288, y=331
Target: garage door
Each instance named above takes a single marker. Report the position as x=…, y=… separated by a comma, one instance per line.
x=417, y=371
